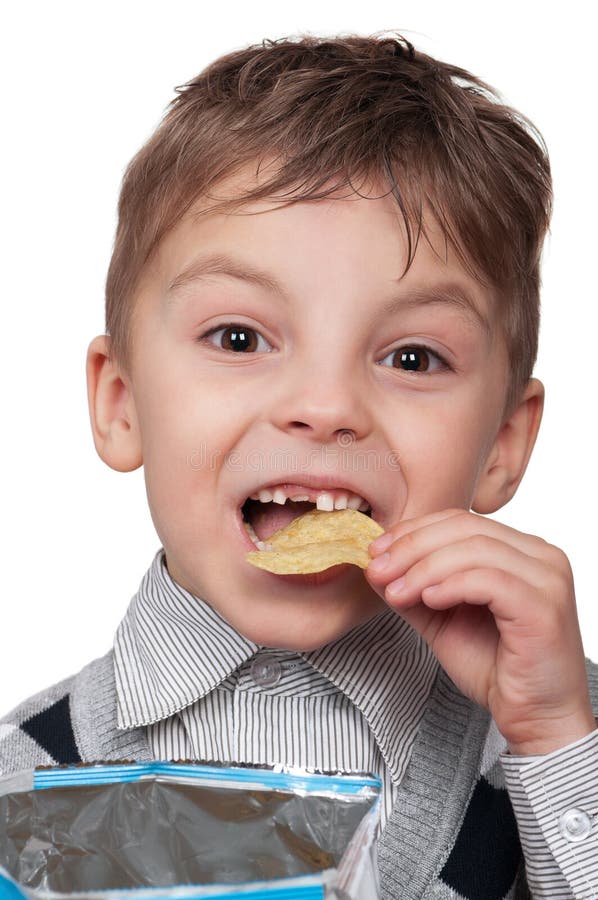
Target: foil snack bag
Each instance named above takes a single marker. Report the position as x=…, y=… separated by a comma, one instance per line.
x=159, y=829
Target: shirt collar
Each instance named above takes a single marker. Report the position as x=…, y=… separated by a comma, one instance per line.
x=172, y=648
x=387, y=670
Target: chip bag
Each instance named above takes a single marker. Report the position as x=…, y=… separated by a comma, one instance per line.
x=110, y=831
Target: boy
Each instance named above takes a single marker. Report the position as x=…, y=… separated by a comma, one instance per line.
x=324, y=291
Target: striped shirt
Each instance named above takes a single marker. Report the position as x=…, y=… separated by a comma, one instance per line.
x=206, y=692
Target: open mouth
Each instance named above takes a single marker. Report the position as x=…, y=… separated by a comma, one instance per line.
x=273, y=509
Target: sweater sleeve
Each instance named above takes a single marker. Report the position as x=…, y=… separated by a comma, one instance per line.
x=39, y=731
x=555, y=800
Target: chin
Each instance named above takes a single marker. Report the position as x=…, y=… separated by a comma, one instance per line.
x=308, y=631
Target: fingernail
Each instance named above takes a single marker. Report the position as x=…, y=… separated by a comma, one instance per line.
x=395, y=588
x=382, y=543
x=380, y=563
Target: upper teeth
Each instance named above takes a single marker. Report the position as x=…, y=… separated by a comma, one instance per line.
x=325, y=500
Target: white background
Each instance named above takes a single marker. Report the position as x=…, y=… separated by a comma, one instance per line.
x=83, y=86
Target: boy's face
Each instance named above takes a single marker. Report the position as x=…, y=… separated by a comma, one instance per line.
x=328, y=382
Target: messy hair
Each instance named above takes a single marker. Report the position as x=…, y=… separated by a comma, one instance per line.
x=334, y=112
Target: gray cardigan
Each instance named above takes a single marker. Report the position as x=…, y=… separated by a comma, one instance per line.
x=451, y=834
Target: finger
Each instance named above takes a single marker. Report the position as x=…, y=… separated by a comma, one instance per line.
x=419, y=537
x=522, y=617
x=407, y=582
x=520, y=612
x=499, y=590
x=405, y=526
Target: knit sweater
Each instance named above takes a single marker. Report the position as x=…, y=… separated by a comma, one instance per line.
x=452, y=833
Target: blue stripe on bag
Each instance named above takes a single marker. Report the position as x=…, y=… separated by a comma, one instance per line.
x=10, y=890
x=100, y=774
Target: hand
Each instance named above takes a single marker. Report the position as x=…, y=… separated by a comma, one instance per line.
x=497, y=608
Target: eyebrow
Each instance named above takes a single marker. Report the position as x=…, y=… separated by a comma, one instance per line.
x=220, y=264
x=443, y=294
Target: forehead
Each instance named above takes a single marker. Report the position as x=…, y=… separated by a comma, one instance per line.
x=449, y=292
x=265, y=243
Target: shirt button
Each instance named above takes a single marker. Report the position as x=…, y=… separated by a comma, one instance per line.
x=266, y=671
x=575, y=825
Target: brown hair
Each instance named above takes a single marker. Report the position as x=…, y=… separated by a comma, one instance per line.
x=339, y=110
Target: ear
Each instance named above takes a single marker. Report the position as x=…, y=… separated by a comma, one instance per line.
x=112, y=409
x=508, y=458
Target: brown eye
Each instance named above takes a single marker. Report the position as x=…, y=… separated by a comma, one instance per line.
x=235, y=338
x=418, y=359
x=241, y=340
x=412, y=359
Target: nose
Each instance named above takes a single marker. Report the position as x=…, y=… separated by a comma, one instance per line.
x=324, y=404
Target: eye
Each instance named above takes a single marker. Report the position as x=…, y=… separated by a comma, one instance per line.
x=417, y=358
x=235, y=338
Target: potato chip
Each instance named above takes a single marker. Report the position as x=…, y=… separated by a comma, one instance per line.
x=317, y=540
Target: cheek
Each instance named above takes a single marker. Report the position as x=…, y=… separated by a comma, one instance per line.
x=188, y=432
x=441, y=451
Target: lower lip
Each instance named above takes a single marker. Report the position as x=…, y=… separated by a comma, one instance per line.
x=313, y=578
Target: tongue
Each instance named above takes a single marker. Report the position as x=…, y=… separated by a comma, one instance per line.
x=268, y=518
